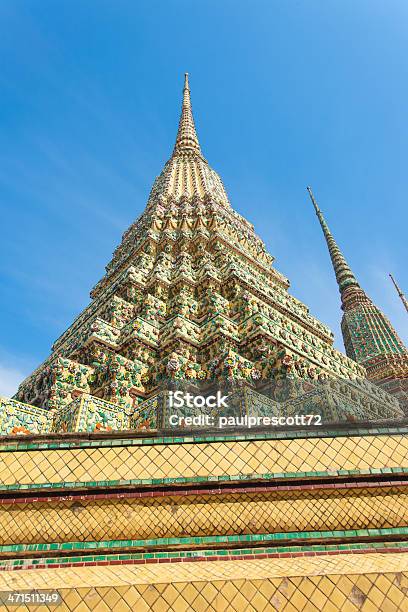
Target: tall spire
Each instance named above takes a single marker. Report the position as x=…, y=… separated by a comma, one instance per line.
x=369, y=338
x=400, y=292
x=186, y=136
x=187, y=176
x=344, y=275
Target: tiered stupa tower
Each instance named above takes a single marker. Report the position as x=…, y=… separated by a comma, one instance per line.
x=369, y=337
x=268, y=518
x=190, y=294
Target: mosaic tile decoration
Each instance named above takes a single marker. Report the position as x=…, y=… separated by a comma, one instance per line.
x=197, y=556
x=17, y=418
x=225, y=513
x=229, y=461
x=87, y=413
x=309, y=537
x=344, y=582
x=131, y=438
x=334, y=402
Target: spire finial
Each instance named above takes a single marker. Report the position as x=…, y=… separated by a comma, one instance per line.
x=400, y=292
x=186, y=136
x=317, y=209
x=344, y=275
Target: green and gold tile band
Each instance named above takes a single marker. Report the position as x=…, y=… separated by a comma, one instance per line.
x=178, y=463
x=209, y=554
x=311, y=536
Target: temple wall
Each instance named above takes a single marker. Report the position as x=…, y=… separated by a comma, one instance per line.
x=188, y=459
x=123, y=517
x=348, y=582
x=258, y=520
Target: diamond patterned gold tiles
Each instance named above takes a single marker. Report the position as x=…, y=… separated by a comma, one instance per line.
x=347, y=582
x=326, y=581
x=124, y=518
x=232, y=459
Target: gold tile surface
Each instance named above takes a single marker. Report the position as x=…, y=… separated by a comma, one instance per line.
x=204, y=515
x=205, y=459
x=343, y=582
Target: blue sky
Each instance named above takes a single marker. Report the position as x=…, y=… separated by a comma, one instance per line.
x=285, y=94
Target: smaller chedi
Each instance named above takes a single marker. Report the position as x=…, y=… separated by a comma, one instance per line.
x=191, y=297
x=369, y=337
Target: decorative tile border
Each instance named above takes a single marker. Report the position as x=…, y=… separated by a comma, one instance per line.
x=109, y=440
x=203, y=540
x=226, y=490
x=104, y=484
x=205, y=555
